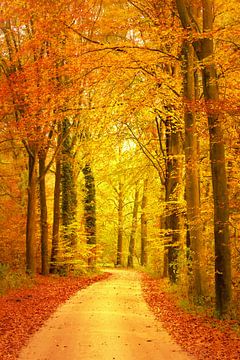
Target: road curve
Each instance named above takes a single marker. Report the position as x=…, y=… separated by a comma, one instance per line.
x=108, y=320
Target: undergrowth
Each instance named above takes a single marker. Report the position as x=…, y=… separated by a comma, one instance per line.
x=10, y=279
x=203, y=307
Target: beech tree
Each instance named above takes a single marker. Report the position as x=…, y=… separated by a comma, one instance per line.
x=191, y=147
x=56, y=208
x=144, y=222
x=204, y=50
x=134, y=228
x=90, y=213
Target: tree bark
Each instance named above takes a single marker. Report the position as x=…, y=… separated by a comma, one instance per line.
x=31, y=212
x=195, y=227
x=134, y=229
x=204, y=49
x=43, y=213
x=90, y=213
x=120, y=226
x=69, y=196
x=56, y=215
x=144, y=252
x=218, y=167
x=173, y=195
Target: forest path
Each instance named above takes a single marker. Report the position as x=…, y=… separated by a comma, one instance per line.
x=108, y=320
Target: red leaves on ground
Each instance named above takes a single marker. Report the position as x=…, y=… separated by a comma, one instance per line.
x=201, y=336
x=22, y=312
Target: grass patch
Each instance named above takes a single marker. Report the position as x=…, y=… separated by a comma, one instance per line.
x=10, y=279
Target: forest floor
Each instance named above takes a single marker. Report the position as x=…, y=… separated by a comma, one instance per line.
x=108, y=320
x=202, y=336
x=23, y=312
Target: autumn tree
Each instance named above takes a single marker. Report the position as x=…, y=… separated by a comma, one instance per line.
x=90, y=213
x=56, y=207
x=204, y=50
x=32, y=38
x=144, y=222
x=132, y=239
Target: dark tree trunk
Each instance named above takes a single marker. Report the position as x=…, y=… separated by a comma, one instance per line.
x=31, y=212
x=204, y=49
x=219, y=176
x=69, y=194
x=69, y=199
x=173, y=193
x=144, y=252
x=56, y=215
x=120, y=226
x=134, y=229
x=43, y=213
x=90, y=213
x=195, y=227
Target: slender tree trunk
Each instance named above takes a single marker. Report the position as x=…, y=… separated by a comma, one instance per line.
x=56, y=215
x=195, y=228
x=120, y=226
x=44, y=214
x=90, y=213
x=69, y=196
x=144, y=251
x=31, y=212
x=173, y=194
x=218, y=166
x=134, y=229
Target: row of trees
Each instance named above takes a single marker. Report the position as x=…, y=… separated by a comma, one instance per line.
x=138, y=116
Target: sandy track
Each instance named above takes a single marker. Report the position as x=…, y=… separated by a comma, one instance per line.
x=108, y=320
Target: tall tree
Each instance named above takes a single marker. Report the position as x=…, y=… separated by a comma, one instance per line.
x=204, y=49
x=31, y=211
x=69, y=192
x=144, y=250
x=43, y=212
x=134, y=227
x=218, y=165
x=173, y=195
x=191, y=147
x=90, y=213
x=119, y=261
x=56, y=208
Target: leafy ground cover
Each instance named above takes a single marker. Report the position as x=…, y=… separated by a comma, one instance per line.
x=23, y=311
x=202, y=336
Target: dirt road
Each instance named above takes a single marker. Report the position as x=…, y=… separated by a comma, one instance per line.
x=108, y=320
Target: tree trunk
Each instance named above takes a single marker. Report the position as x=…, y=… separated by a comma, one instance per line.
x=56, y=215
x=218, y=167
x=43, y=215
x=195, y=228
x=90, y=213
x=120, y=226
x=204, y=49
x=144, y=252
x=133, y=230
x=69, y=195
x=173, y=195
x=31, y=212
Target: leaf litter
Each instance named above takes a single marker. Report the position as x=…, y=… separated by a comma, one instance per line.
x=203, y=337
x=23, y=311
